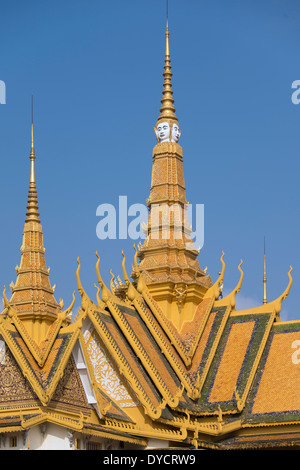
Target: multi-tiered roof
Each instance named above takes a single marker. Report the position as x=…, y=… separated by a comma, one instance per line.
x=160, y=356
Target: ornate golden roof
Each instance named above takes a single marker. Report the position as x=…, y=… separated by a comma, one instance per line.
x=214, y=377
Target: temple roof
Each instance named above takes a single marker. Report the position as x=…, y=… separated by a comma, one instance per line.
x=163, y=356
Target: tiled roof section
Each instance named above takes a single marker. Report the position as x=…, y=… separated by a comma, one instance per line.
x=126, y=361
x=17, y=392
x=147, y=351
x=206, y=346
x=230, y=365
x=234, y=361
x=10, y=422
x=275, y=392
x=261, y=440
x=164, y=343
x=69, y=393
x=222, y=353
x=42, y=378
x=44, y=375
x=148, y=342
x=192, y=330
x=158, y=330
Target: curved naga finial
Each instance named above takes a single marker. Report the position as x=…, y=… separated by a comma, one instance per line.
x=136, y=268
x=131, y=291
x=230, y=298
x=277, y=303
x=112, y=287
x=68, y=310
x=7, y=307
x=105, y=292
x=99, y=302
x=214, y=290
x=125, y=275
x=79, y=285
x=84, y=297
x=5, y=300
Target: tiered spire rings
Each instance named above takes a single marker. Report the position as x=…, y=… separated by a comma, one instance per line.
x=167, y=127
x=32, y=214
x=167, y=110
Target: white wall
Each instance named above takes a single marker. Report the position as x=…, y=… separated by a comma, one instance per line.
x=50, y=437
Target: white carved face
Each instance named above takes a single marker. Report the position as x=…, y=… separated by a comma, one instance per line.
x=175, y=133
x=163, y=132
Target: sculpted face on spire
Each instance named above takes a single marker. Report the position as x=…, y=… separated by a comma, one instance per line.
x=163, y=132
x=175, y=133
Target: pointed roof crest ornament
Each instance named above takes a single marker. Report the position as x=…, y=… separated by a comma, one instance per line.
x=32, y=214
x=167, y=127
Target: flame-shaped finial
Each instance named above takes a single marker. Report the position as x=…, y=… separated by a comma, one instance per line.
x=167, y=110
x=32, y=214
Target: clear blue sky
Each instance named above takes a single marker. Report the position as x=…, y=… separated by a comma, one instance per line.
x=95, y=69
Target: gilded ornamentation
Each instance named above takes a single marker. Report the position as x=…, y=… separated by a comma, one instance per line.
x=182, y=362
x=180, y=294
x=14, y=388
x=105, y=373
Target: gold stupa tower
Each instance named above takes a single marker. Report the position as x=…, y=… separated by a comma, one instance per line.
x=168, y=257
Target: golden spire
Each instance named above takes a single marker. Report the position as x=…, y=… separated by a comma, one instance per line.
x=32, y=294
x=32, y=214
x=167, y=110
x=265, y=275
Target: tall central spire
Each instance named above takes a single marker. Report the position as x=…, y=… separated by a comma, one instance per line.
x=168, y=258
x=32, y=206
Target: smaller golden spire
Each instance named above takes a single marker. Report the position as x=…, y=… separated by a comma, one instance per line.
x=167, y=110
x=265, y=275
x=32, y=214
x=32, y=157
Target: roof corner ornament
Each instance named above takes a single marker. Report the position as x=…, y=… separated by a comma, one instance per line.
x=131, y=290
x=230, y=298
x=239, y=401
x=105, y=292
x=277, y=303
x=65, y=314
x=85, y=301
x=6, y=303
x=111, y=285
x=215, y=289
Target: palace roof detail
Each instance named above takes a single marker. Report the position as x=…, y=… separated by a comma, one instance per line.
x=162, y=354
